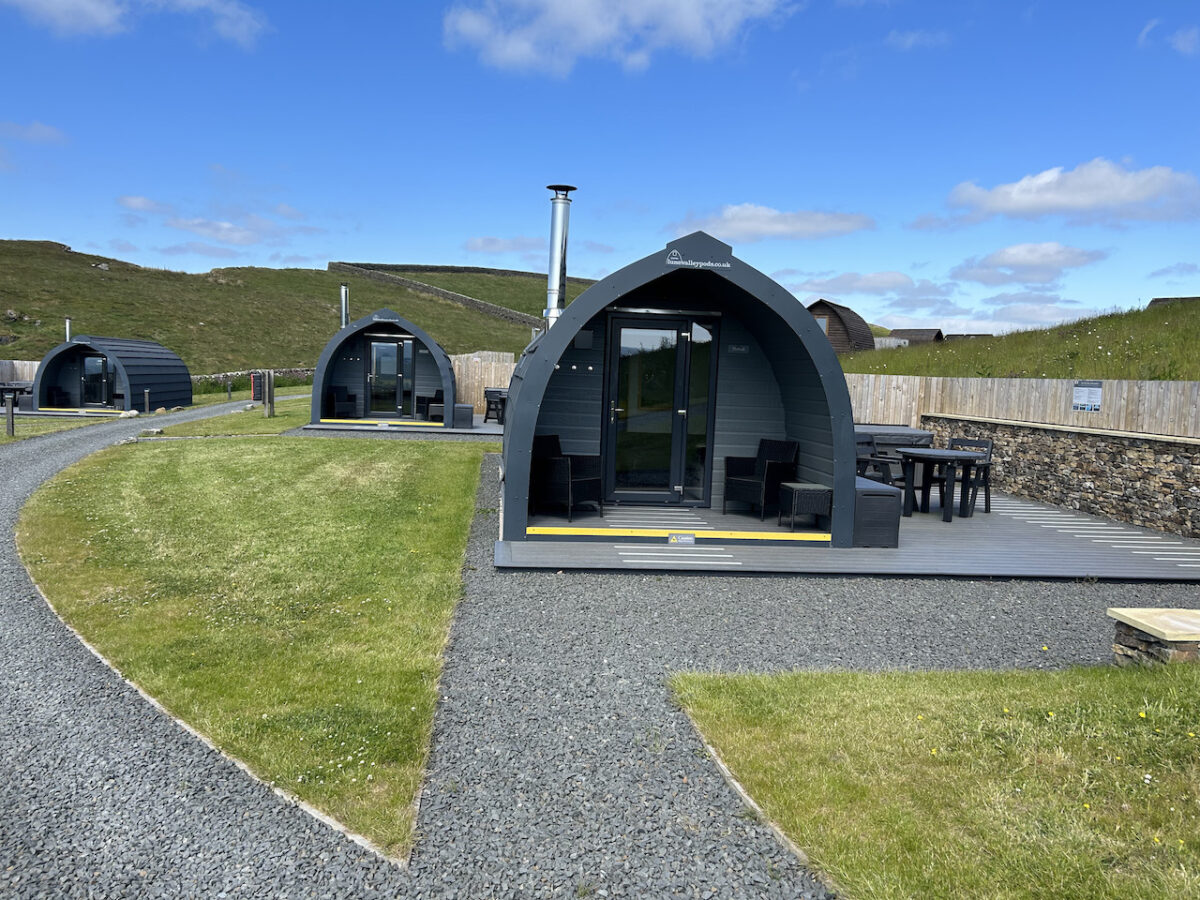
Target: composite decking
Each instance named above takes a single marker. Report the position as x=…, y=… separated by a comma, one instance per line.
x=1018, y=539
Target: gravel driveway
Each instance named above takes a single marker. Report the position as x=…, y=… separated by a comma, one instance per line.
x=559, y=767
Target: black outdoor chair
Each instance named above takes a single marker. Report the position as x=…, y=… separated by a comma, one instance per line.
x=756, y=479
x=558, y=479
x=423, y=404
x=981, y=472
x=341, y=402
x=870, y=464
x=495, y=399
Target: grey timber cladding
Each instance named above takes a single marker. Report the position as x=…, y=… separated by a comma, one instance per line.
x=342, y=363
x=135, y=366
x=777, y=375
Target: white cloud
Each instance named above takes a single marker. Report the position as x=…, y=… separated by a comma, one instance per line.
x=1186, y=40
x=289, y=212
x=1025, y=264
x=231, y=19
x=33, y=133
x=504, y=245
x=749, y=222
x=911, y=40
x=552, y=35
x=1096, y=191
x=1144, y=38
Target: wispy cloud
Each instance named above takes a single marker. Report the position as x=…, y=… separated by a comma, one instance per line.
x=1186, y=40
x=196, y=248
x=1042, y=263
x=504, y=245
x=912, y=40
x=145, y=205
x=749, y=222
x=1143, y=40
x=1183, y=268
x=1099, y=191
x=552, y=35
x=225, y=232
x=33, y=133
x=120, y=246
x=230, y=19
x=856, y=283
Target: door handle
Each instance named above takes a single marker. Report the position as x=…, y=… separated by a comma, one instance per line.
x=682, y=412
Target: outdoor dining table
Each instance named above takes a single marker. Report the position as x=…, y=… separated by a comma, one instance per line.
x=929, y=457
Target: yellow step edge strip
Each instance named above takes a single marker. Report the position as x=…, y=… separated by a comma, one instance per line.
x=818, y=537
x=85, y=410
x=405, y=423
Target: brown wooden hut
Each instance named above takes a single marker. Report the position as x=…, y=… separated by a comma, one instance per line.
x=845, y=328
x=918, y=335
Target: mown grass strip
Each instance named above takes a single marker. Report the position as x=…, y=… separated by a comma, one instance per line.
x=32, y=426
x=289, y=598
x=289, y=414
x=1082, y=783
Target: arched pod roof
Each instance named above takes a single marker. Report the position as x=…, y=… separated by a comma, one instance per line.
x=379, y=318
x=137, y=366
x=684, y=267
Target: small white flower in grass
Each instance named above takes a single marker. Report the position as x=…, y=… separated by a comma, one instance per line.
x=1146, y=778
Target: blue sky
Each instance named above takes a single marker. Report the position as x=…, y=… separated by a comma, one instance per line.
x=975, y=166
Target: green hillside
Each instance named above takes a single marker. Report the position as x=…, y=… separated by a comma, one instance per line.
x=1154, y=344
x=224, y=320
x=522, y=291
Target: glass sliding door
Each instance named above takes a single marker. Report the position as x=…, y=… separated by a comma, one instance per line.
x=658, y=405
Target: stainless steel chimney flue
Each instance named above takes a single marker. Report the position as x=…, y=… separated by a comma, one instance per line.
x=68, y=322
x=560, y=212
x=345, y=304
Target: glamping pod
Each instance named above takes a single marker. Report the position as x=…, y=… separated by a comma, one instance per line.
x=646, y=384
x=384, y=370
x=110, y=373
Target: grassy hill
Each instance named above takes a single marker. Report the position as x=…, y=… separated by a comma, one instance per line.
x=224, y=320
x=522, y=291
x=1154, y=344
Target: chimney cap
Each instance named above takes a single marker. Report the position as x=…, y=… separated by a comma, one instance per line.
x=561, y=188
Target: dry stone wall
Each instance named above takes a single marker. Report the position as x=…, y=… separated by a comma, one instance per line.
x=1143, y=480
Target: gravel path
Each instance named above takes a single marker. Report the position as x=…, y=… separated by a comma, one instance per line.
x=559, y=768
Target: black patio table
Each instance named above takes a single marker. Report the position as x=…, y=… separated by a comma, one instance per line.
x=929, y=457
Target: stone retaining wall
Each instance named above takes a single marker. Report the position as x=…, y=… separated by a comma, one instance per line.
x=371, y=271
x=221, y=377
x=1144, y=480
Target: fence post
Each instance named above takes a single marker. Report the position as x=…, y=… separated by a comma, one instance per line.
x=228, y=388
x=146, y=400
x=10, y=423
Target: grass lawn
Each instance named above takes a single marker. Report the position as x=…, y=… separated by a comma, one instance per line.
x=289, y=414
x=289, y=598
x=29, y=426
x=1081, y=783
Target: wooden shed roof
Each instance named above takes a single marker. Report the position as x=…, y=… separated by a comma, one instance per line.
x=918, y=335
x=858, y=332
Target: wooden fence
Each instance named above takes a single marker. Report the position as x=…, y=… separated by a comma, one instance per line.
x=475, y=371
x=18, y=369
x=1141, y=407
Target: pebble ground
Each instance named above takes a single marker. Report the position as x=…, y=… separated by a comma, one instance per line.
x=560, y=768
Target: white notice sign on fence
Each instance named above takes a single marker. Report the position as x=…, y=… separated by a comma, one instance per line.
x=1086, y=397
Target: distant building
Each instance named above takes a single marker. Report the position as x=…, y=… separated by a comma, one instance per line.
x=1159, y=301
x=845, y=328
x=918, y=335
x=960, y=337
x=890, y=343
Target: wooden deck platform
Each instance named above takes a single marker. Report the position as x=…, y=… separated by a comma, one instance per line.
x=1018, y=539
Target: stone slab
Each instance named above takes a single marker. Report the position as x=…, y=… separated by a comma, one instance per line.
x=1166, y=624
